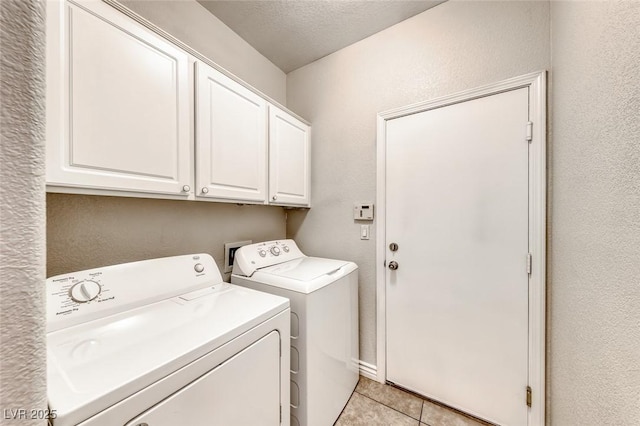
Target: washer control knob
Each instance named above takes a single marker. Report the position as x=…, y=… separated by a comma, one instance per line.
x=85, y=291
x=198, y=267
x=285, y=249
x=262, y=253
x=275, y=251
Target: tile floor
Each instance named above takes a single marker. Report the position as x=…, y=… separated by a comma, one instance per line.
x=373, y=404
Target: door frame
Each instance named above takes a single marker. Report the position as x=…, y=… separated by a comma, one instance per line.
x=536, y=83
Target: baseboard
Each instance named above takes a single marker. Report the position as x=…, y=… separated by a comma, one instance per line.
x=367, y=370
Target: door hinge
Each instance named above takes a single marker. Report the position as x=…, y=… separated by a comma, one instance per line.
x=529, y=261
x=528, y=396
x=280, y=413
x=529, y=137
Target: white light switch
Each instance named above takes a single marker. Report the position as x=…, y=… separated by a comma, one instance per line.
x=364, y=232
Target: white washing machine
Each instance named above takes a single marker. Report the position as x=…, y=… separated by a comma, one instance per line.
x=324, y=323
x=165, y=342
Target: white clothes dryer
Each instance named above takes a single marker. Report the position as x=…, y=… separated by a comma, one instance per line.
x=165, y=342
x=324, y=323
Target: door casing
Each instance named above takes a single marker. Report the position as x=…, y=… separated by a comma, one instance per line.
x=536, y=82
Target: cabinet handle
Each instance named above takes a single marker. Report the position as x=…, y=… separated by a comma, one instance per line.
x=274, y=198
x=205, y=190
x=186, y=188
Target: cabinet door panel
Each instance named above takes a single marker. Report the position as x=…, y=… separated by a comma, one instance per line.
x=289, y=146
x=125, y=107
x=231, y=139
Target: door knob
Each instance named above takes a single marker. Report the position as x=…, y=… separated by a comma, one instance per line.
x=393, y=265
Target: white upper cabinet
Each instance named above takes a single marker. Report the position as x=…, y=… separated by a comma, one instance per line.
x=133, y=112
x=118, y=101
x=289, y=159
x=231, y=139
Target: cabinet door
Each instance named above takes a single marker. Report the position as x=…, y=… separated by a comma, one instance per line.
x=118, y=101
x=289, y=159
x=231, y=139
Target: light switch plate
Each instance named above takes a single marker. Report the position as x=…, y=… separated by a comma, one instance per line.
x=364, y=232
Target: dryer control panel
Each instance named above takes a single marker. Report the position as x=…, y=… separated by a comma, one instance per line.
x=260, y=255
x=83, y=296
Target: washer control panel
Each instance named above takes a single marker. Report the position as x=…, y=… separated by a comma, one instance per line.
x=83, y=296
x=272, y=249
x=255, y=256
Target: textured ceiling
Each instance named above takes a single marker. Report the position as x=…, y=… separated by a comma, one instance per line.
x=294, y=33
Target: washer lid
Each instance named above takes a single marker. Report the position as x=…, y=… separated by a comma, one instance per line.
x=304, y=275
x=96, y=364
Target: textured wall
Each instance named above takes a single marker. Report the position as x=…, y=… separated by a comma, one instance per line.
x=194, y=25
x=452, y=47
x=90, y=231
x=85, y=231
x=22, y=244
x=594, y=296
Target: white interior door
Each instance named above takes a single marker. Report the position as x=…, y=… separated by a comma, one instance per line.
x=457, y=207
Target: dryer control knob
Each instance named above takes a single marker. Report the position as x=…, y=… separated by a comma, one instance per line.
x=275, y=251
x=85, y=291
x=262, y=253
